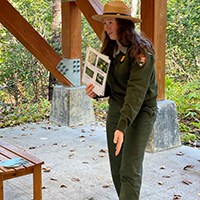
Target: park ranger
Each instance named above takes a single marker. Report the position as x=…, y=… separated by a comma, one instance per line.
x=132, y=91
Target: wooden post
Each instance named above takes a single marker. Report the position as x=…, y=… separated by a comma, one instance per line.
x=1, y=186
x=71, y=30
x=153, y=14
x=37, y=183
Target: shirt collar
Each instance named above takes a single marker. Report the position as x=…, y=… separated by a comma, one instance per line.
x=122, y=49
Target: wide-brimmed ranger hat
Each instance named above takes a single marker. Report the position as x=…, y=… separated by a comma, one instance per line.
x=116, y=9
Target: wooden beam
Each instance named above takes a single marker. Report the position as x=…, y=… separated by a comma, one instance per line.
x=153, y=14
x=30, y=38
x=90, y=8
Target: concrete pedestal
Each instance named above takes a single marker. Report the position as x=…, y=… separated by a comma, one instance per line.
x=71, y=106
x=165, y=134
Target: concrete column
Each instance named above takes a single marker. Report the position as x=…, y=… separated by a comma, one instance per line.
x=165, y=134
x=71, y=106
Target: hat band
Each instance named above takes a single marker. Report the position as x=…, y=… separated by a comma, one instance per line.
x=116, y=14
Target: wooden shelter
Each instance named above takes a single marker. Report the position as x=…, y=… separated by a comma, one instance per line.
x=153, y=15
x=77, y=107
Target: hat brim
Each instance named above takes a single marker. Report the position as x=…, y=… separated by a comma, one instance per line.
x=103, y=16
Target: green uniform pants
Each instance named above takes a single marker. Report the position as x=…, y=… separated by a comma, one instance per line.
x=126, y=168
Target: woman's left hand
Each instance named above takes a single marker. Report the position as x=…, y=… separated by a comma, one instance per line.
x=118, y=140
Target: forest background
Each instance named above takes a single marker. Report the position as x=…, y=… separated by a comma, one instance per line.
x=25, y=83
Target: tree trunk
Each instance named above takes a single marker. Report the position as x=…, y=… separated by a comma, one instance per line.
x=56, y=39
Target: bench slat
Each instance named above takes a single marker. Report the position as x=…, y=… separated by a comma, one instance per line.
x=20, y=153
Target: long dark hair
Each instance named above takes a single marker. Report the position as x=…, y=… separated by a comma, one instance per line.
x=128, y=37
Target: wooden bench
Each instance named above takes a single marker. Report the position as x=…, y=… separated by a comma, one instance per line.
x=33, y=166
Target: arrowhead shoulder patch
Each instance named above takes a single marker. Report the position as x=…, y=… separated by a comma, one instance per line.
x=141, y=60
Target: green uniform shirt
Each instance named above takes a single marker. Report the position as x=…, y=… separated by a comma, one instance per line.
x=131, y=85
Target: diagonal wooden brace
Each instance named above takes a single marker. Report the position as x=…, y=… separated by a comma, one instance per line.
x=31, y=39
x=89, y=8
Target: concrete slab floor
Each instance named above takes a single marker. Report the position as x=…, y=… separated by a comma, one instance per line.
x=77, y=160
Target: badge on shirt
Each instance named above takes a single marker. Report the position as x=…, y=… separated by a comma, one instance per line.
x=122, y=58
x=141, y=60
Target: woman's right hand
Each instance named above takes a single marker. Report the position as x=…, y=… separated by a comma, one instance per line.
x=89, y=90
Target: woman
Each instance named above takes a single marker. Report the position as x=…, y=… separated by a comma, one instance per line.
x=132, y=91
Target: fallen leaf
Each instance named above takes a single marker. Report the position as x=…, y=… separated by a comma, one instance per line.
x=106, y=186
x=83, y=130
x=81, y=136
x=101, y=156
x=162, y=167
x=63, y=186
x=47, y=128
x=72, y=150
x=99, y=178
x=188, y=166
x=75, y=179
x=85, y=162
x=187, y=182
x=53, y=179
x=24, y=128
x=71, y=155
x=168, y=176
x=32, y=147
x=180, y=154
x=46, y=169
x=160, y=183
x=102, y=151
x=177, y=196
x=55, y=143
x=23, y=134
x=63, y=145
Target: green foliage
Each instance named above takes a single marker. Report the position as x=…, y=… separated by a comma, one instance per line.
x=89, y=38
x=188, y=138
x=22, y=77
x=182, y=62
x=187, y=98
x=101, y=104
x=101, y=108
x=24, y=113
x=37, y=13
x=183, y=39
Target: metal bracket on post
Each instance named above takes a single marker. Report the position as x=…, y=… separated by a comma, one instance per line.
x=70, y=68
